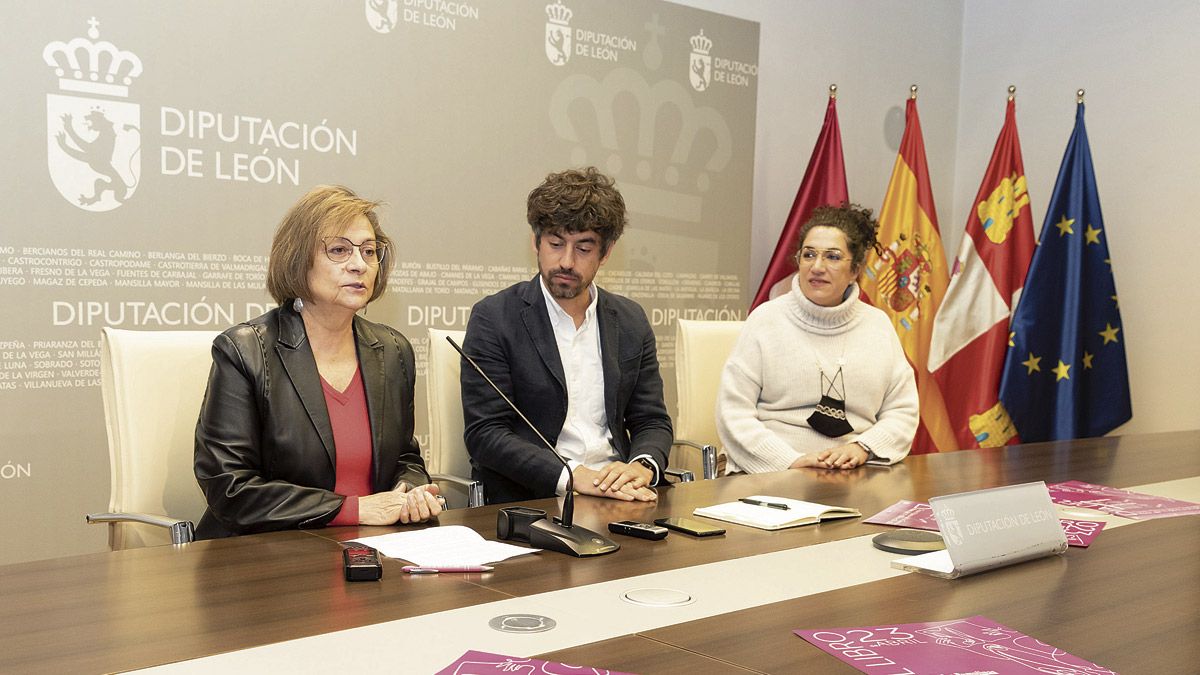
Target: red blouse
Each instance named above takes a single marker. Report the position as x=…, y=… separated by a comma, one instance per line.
x=352, y=445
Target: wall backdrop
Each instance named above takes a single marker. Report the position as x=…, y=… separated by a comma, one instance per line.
x=151, y=147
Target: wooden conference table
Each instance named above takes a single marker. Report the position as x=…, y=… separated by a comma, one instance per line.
x=1130, y=602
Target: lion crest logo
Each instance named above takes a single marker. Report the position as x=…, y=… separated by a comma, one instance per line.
x=382, y=15
x=93, y=142
x=558, y=33
x=700, y=62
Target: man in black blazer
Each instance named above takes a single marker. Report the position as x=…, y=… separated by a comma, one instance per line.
x=578, y=361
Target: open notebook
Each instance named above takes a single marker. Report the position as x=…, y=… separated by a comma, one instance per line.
x=768, y=518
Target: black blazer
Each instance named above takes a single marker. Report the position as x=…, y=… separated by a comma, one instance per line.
x=264, y=447
x=510, y=336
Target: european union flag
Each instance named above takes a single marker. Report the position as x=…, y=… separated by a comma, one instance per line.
x=1065, y=374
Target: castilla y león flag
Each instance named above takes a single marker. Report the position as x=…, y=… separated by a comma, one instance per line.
x=909, y=279
x=970, y=334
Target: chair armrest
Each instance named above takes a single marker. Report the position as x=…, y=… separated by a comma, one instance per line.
x=472, y=488
x=680, y=475
x=182, y=531
x=708, y=456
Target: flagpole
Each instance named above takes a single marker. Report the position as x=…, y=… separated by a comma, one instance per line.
x=1012, y=92
x=912, y=92
x=833, y=91
x=1079, y=96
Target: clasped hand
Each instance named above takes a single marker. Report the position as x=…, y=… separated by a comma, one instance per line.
x=849, y=456
x=402, y=505
x=618, y=480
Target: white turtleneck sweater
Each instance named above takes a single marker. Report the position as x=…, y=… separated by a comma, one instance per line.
x=772, y=382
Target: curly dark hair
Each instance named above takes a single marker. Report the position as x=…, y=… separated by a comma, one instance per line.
x=577, y=200
x=853, y=220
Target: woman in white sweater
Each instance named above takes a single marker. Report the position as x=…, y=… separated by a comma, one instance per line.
x=818, y=378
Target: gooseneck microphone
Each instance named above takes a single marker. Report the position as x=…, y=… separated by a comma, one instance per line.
x=562, y=534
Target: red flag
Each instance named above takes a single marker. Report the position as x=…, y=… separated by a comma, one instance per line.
x=908, y=280
x=824, y=184
x=971, y=332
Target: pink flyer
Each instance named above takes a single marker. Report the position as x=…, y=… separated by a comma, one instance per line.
x=904, y=513
x=919, y=516
x=1081, y=533
x=483, y=663
x=971, y=645
x=1133, y=505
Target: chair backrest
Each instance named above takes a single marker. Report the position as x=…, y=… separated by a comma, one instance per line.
x=701, y=349
x=447, y=451
x=153, y=383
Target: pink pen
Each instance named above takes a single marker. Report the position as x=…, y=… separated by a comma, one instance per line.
x=467, y=569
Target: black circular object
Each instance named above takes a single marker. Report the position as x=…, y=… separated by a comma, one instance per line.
x=908, y=542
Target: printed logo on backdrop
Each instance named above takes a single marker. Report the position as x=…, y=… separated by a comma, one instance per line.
x=382, y=14
x=93, y=135
x=562, y=40
x=558, y=33
x=700, y=68
x=669, y=160
x=704, y=69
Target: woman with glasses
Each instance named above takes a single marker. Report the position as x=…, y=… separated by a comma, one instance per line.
x=308, y=417
x=818, y=378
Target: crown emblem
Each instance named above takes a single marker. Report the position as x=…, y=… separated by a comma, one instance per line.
x=668, y=164
x=701, y=44
x=92, y=67
x=559, y=13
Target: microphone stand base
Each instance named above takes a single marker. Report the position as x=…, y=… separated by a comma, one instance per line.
x=574, y=540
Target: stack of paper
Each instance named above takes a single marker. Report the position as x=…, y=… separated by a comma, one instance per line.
x=446, y=546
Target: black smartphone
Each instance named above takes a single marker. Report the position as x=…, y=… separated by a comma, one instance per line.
x=690, y=526
x=633, y=528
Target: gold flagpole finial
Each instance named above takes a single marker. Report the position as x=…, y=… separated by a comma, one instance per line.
x=912, y=92
x=1012, y=91
x=833, y=91
x=1079, y=96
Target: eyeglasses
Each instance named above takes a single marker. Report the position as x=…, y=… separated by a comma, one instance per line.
x=339, y=249
x=832, y=257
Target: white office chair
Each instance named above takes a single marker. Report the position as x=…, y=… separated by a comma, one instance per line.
x=152, y=383
x=701, y=349
x=447, y=459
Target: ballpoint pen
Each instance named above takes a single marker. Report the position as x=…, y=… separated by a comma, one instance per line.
x=757, y=502
x=417, y=569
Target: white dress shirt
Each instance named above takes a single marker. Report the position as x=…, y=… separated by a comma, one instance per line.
x=585, y=438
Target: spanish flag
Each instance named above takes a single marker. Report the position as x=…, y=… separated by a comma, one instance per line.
x=909, y=279
x=971, y=332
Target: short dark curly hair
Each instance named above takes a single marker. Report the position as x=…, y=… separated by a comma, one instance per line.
x=577, y=200
x=855, y=222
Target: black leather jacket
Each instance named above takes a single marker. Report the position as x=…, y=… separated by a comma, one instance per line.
x=264, y=445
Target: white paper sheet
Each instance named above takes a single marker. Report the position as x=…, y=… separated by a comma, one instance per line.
x=936, y=562
x=446, y=546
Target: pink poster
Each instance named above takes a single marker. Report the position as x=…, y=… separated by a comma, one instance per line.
x=483, y=663
x=919, y=516
x=971, y=645
x=904, y=513
x=1133, y=505
x=1081, y=533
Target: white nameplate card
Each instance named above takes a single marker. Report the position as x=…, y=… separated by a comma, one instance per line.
x=992, y=528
